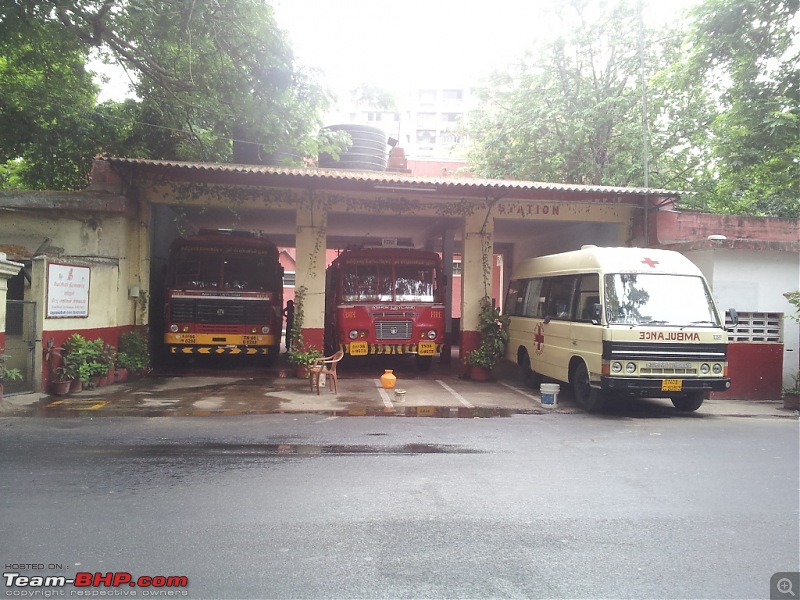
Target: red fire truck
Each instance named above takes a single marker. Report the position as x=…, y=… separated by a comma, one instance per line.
x=224, y=295
x=385, y=301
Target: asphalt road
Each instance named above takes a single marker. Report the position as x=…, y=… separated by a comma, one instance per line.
x=309, y=506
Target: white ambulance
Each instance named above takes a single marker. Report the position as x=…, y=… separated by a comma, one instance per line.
x=618, y=321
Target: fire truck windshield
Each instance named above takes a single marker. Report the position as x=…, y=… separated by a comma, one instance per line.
x=246, y=273
x=408, y=282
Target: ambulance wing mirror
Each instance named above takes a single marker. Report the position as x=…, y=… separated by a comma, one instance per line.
x=597, y=313
x=734, y=317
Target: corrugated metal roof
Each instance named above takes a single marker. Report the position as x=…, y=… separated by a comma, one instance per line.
x=390, y=178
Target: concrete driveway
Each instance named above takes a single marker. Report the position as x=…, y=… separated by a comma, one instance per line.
x=199, y=390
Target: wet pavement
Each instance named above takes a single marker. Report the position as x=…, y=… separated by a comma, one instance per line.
x=234, y=389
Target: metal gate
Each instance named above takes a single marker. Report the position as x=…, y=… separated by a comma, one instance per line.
x=21, y=342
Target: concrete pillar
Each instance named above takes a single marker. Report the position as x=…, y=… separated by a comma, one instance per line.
x=38, y=294
x=476, y=276
x=310, y=243
x=448, y=244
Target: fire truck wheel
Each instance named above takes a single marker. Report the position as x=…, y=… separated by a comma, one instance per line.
x=424, y=362
x=272, y=355
x=690, y=402
x=588, y=398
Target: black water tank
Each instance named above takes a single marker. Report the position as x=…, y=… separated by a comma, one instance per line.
x=366, y=153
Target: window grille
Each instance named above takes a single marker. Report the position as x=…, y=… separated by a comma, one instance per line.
x=756, y=327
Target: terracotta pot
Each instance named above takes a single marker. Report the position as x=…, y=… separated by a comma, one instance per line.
x=60, y=388
x=76, y=385
x=120, y=375
x=479, y=373
x=302, y=372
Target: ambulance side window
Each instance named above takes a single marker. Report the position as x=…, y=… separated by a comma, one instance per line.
x=534, y=303
x=560, y=292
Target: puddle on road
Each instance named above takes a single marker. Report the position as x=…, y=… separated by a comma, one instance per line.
x=255, y=450
x=99, y=408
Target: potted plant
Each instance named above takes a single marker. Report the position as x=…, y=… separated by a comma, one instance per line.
x=791, y=395
x=86, y=358
x=62, y=371
x=7, y=373
x=493, y=329
x=302, y=358
x=300, y=355
x=134, y=353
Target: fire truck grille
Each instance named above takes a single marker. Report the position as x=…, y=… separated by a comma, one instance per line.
x=393, y=330
x=215, y=312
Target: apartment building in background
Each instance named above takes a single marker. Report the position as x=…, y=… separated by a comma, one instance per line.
x=425, y=123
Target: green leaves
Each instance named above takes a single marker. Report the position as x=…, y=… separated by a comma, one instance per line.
x=209, y=75
x=723, y=107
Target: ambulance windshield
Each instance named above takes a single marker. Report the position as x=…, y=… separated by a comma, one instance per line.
x=651, y=299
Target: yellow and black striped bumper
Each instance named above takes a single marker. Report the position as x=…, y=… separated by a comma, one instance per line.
x=364, y=349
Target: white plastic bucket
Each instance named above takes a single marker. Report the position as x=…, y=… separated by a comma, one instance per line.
x=549, y=392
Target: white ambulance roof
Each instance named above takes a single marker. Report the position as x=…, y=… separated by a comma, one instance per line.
x=609, y=260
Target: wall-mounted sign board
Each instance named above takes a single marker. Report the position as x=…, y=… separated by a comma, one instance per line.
x=67, y=290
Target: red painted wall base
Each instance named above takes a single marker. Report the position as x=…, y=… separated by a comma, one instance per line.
x=756, y=371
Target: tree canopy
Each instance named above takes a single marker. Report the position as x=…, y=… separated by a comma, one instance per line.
x=214, y=80
x=721, y=106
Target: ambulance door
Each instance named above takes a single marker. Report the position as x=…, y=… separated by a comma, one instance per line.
x=555, y=331
x=586, y=331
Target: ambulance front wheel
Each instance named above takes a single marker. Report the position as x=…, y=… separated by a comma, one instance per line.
x=690, y=402
x=588, y=398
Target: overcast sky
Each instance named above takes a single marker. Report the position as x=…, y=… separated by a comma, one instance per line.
x=407, y=44
x=420, y=42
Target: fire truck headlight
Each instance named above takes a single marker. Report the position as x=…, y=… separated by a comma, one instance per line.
x=253, y=330
x=173, y=328
x=630, y=367
x=353, y=335
x=264, y=329
x=432, y=334
x=717, y=368
x=616, y=367
x=705, y=369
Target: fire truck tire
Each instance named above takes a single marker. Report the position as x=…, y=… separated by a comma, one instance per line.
x=424, y=362
x=690, y=402
x=588, y=398
x=272, y=355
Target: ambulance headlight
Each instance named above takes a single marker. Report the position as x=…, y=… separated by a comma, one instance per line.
x=705, y=369
x=630, y=368
x=616, y=367
x=717, y=368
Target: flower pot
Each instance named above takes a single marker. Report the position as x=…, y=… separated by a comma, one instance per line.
x=477, y=373
x=302, y=372
x=76, y=385
x=791, y=401
x=60, y=388
x=120, y=375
